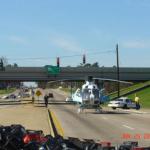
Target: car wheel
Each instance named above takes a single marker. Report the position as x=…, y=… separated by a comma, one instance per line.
x=138, y=107
x=113, y=108
x=125, y=106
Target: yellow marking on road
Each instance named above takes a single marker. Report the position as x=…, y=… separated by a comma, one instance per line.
x=57, y=124
x=50, y=125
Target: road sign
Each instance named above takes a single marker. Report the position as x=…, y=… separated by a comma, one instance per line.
x=38, y=93
x=52, y=69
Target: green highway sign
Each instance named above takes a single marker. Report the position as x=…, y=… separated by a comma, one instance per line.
x=52, y=69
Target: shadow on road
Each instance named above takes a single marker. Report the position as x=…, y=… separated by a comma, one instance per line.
x=14, y=104
x=110, y=112
x=39, y=105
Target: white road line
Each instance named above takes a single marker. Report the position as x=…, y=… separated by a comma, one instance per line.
x=105, y=118
x=128, y=127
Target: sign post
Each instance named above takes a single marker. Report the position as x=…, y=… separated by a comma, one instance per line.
x=38, y=93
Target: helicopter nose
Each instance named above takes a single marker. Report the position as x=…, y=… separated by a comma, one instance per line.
x=92, y=96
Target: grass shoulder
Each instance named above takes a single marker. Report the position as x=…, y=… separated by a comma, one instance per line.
x=144, y=96
x=7, y=91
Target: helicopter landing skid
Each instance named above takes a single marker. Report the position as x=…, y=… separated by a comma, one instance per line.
x=97, y=108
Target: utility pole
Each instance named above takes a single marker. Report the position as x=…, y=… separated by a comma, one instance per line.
x=118, y=71
x=71, y=88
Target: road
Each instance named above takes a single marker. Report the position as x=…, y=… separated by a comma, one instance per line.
x=115, y=126
x=30, y=116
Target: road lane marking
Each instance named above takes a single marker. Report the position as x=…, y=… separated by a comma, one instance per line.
x=57, y=124
x=128, y=127
x=105, y=118
x=50, y=124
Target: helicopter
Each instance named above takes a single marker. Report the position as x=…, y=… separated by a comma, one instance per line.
x=90, y=96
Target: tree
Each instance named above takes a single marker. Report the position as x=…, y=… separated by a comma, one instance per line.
x=15, y=65
x=88, y=65
x=5, y=61
x=95, y=65
x=81, y=65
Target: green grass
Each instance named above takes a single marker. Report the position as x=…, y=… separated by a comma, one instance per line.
x=7, y=91
x=144, y=96
x=68, y=90
x=126, y=90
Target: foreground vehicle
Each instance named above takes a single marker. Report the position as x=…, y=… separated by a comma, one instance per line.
x=16, y=137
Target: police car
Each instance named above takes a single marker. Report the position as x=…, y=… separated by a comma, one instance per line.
x=124, y=103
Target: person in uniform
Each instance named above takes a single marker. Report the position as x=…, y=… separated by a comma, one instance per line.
x=137, y=101
x=46, y=100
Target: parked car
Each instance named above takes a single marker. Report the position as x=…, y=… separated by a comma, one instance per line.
x=123, y=102
x=12, y=96
x=25, y=95
x=5, y=97
x=50, y=95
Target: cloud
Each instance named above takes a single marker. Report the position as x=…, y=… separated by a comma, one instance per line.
x=65, y=43
x=137, y=44
x=17, y=40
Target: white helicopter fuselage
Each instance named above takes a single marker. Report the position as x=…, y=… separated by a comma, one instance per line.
x=86, y=93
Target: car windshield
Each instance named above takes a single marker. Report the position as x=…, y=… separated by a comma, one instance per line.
x=75, y=69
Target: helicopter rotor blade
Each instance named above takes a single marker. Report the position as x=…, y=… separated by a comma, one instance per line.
x=113, y=80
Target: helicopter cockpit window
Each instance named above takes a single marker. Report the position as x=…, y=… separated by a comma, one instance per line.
x=85, y=94
x=96, y=93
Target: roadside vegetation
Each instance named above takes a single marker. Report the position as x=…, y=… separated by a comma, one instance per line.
x=68, y=90
x=144, y=96
x=128, y=89
x=7, y=91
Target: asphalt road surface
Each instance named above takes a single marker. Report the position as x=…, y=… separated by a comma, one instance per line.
x=115, y=126
x=30, y=116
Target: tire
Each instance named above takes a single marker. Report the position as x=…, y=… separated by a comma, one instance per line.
x=125, y=106
x=113, y=108
x=98, y=110
x=138, y=107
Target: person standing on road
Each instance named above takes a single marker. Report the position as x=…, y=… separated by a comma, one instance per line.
x=137, y=101
x=32, y=93
x=46, y=100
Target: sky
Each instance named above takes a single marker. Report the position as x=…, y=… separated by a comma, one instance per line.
x=35, y=32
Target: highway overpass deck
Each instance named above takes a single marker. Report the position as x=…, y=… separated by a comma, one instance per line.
x=41, y=74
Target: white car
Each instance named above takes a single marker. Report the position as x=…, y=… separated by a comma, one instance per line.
x=5, y=97
x=122, y=102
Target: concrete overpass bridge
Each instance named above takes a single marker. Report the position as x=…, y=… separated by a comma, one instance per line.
x=41, y=74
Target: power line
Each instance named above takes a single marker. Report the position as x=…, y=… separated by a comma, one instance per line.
x=65, y=56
